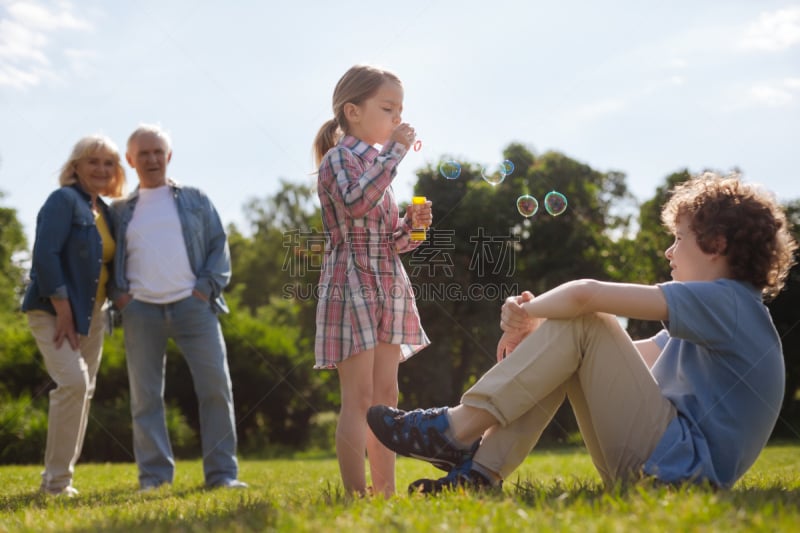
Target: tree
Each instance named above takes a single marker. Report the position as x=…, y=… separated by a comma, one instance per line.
x=284, y=254
x=642, y=258
x=12, y=243
x=785, y=311
x=482, y=250
x=270, y=331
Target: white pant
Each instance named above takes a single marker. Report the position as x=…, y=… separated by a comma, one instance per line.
x=591, y=361
x=74, y=372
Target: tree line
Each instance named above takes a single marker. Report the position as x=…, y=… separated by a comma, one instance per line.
x=479, y=251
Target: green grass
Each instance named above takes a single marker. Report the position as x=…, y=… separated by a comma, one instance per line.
x=552, y=491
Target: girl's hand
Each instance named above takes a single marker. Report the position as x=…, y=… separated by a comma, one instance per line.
x=404, y=134
x=421, y=215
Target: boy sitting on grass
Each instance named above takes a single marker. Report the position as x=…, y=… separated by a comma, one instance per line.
x=695, y=403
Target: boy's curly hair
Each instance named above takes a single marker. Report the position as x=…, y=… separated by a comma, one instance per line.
x=758, y=245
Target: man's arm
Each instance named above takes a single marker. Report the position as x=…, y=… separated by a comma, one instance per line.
x=215, y=272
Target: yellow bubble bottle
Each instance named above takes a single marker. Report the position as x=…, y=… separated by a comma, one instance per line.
x=418, y=234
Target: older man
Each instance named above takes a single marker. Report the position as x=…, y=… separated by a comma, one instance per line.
x=171, y=265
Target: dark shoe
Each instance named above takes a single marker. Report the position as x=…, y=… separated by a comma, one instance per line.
x=462, y=476
x=420, y=434
x=152, y=487
x=229, y=484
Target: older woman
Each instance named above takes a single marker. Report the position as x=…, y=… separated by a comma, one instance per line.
x=65, y=300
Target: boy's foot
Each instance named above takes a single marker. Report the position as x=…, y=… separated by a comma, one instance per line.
x=420, y=434
x=462, y=476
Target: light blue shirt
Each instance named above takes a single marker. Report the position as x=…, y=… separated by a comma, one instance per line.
x=721, y=365
x=203, y=234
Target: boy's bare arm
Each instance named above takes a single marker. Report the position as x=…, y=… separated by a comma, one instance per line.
x=649, y=351
x=570, y=300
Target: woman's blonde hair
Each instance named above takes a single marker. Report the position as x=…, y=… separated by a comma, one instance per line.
x=91, y=144
x=358, y=84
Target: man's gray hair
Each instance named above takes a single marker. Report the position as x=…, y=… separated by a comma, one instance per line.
x=150, y=128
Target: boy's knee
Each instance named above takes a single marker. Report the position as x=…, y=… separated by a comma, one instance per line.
x=599, y=320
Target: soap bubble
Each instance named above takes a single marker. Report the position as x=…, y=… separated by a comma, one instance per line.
x=494, y=174
x=555, y=203
x=450, y=169
x=527, y=205
x=508, y=167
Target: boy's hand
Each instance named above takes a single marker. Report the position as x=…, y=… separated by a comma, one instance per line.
x=508, y=343
x=514, y=319
x=515, y=323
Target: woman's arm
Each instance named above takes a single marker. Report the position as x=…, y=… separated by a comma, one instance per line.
x=53, y=225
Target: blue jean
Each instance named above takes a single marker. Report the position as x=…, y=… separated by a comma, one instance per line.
x=194, y=327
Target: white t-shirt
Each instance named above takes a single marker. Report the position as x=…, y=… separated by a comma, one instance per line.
x=157, y=263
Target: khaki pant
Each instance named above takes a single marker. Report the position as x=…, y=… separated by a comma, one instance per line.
x=591, y=361
x=74, y=372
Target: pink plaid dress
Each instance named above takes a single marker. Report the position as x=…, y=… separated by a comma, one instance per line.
x=365, y=296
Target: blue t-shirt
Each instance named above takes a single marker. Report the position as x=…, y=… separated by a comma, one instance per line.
x=721, y=365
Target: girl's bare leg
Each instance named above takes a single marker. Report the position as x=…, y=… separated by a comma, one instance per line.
x=356, y=385
x=385, y=392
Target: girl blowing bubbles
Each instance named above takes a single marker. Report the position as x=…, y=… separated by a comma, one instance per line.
x=367, y=320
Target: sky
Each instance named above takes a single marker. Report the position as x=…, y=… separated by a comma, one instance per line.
x=645, y=88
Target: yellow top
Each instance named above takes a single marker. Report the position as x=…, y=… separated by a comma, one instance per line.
x=109, y=246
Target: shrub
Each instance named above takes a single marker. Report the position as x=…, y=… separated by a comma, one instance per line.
x=23, y=430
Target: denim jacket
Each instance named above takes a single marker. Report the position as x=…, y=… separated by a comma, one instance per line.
x=67, y=255
x=203, y=234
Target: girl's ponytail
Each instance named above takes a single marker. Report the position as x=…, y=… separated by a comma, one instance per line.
x=327, y=137
x=358, y=84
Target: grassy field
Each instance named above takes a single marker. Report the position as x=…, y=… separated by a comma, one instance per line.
x=552, y=491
